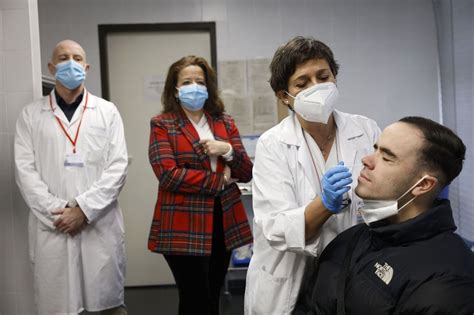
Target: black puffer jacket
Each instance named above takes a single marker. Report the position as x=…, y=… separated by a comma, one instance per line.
x=416, y=267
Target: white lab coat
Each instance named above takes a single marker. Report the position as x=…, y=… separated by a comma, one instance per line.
x=283, y=185
x=85, y=271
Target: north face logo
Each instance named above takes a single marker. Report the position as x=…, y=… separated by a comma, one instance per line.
x=385, y=272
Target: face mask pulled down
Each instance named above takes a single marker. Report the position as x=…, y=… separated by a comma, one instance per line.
x=316, y=103
x=70, y=73
x=193, y=96
x=376, y=210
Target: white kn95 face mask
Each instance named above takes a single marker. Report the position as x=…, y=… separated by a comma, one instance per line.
x=316, y=103
x=376, y=210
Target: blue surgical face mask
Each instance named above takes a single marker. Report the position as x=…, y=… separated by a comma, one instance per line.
x=193, y=96
x=70, y=73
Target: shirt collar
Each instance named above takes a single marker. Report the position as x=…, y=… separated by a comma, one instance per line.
x=90, y=104
x=62, y=103
x=201, y=123
x=292, y=134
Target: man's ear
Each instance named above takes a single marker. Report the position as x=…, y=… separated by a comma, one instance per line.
x=52, y=69
x=87, y=67
x=429, y=183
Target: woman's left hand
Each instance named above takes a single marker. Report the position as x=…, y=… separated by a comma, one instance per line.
x=214, y=147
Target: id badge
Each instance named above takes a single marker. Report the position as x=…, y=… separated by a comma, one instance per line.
x=74, y=160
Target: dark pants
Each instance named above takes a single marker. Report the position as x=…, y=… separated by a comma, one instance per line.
x=200, y=278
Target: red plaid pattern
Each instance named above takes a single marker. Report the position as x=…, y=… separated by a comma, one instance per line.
x=182, y=221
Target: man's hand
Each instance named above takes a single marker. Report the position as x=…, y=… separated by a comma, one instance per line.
x=214, y=147
x=71, y=220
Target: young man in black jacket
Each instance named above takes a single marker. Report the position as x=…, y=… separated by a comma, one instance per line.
x=406, y=258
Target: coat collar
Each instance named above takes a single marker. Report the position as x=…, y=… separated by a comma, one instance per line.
x=91, y=103
x=292, y=134
x=436, y=220
x=347, y=132
x=217, y=128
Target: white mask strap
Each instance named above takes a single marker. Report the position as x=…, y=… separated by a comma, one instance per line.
x=409, y=201
x=409, y=189
x=287, y=93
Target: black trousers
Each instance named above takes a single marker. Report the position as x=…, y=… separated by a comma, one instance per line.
x=200, y=278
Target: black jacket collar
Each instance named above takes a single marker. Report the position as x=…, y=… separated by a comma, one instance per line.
x=426, y=225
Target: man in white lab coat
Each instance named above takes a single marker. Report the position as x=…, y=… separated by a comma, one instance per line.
x=71, y=163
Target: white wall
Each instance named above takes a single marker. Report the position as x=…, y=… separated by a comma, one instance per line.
x=463, y=44
x=387, y=48
x=456, y=42
x=20, y=82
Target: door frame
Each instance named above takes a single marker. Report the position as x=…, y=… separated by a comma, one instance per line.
x=107, y=29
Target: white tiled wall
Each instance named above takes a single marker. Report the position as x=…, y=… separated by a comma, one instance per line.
x=387, y=48
x=16, y=89
x=3, y=109
x=16, y=38
x=17, y=65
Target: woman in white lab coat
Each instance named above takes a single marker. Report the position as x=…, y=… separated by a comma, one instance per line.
x=70, y=168
x=302, y=195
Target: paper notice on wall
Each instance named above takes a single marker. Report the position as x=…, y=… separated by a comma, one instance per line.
x=247, y=94
x=153, y=86
x=239, y=107
x=264, y=112
x=259, y=76
x=232, y=75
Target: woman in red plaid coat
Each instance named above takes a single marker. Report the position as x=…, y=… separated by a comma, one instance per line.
x=197, y=155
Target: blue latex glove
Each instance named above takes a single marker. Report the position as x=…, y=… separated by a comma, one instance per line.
x=335, y=184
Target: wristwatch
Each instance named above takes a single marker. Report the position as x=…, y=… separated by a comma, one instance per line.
x=72, y=203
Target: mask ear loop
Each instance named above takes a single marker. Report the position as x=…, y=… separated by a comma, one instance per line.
x=408, y=191
x=288, y=103
x=287, y=93
x=399, y=209
x=176, y=95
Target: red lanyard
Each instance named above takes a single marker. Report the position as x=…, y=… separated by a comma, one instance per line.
x=73, y=142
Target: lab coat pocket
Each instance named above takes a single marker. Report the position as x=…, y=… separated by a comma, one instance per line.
x=97, y=144
x=272, y=292
x=43, y=227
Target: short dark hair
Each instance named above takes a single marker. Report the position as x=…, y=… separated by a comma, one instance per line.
x=297, y=51
x=443, y=151
x=213, y=106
